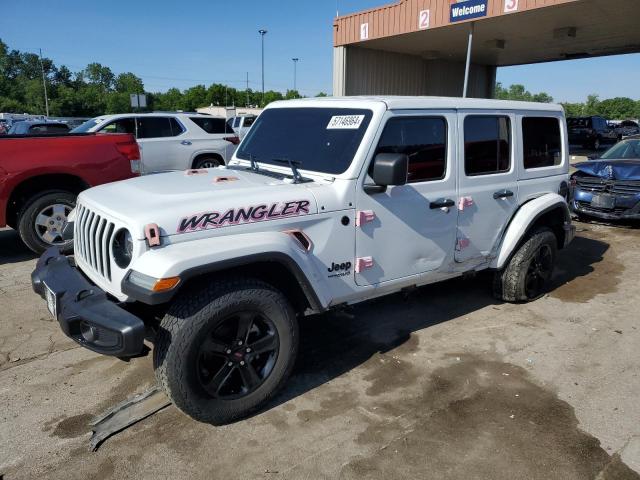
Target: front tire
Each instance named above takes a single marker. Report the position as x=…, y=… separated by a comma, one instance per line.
x=42, y=218
x=224, y=349
x=529, y=271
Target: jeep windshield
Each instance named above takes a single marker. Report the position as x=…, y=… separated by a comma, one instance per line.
x=321, y=139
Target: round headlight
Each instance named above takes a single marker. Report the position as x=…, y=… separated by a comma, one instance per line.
x=122, y=248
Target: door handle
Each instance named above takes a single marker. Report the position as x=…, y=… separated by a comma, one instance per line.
x=502, y=194
x=442, y=204
x=185, y=142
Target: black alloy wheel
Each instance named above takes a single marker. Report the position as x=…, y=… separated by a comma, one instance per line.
x=539, y=271
x=238, y=355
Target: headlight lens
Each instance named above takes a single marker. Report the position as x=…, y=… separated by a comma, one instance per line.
x=122, y=248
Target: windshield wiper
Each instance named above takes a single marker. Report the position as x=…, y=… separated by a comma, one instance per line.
x=293, y=165
x=254, y=163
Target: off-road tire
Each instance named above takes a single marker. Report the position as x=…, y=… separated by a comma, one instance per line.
x=182, y=330
x=27, y=215
x=207, y=162
x=509, y=283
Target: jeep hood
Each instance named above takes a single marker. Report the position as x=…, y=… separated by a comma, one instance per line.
x=179, y=203
x=611, y=169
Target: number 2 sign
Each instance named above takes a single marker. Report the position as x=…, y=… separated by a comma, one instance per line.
x=510, y=6
x=423, y=19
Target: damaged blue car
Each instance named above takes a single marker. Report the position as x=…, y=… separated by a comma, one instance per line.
x=609, y=187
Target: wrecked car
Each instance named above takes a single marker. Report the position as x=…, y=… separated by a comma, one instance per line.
x=609, y=187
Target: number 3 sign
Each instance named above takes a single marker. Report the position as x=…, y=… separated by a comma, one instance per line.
x=510, y=6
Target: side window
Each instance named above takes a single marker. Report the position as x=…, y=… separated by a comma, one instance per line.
x=123, y=125
x=211, y=125
x=487, y=145
x=154, y=127
x=248, y=121
x=176, y=127
x=541, y=142
x=423, y=139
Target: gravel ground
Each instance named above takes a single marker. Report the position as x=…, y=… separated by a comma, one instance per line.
x=444, y=383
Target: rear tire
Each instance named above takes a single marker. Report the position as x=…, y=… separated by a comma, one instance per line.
x=224, y=349
x=528, y=272
x=207, y=162
x=41, y=219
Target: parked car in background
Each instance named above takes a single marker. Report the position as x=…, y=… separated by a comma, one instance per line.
x=241, y=124
x=609, y=187
x=172, y=141
x=40, y=177
x=38, y=127
x=627, y=128
x=590, y=132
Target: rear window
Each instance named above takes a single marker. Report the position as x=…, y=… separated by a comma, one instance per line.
x=86, y=126
x=542, y=145
x=49, y=128
x=320, y=139
x=212, y=125
x=487, y=145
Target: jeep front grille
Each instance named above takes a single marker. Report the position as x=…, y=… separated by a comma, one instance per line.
x=92, y=241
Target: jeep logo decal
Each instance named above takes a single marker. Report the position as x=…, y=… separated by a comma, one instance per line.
x=257, y=213
x=339, y=269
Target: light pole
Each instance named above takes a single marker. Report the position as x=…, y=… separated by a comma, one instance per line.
x=295, y=74
x=262, y=34
x=44, y=84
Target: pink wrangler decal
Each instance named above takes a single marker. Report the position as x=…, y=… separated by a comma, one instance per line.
x=363, y=263
x=462, y=244
x=238, y=216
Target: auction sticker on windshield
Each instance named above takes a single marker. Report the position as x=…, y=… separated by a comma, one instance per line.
x=345, y=122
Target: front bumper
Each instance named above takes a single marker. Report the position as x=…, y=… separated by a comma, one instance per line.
x=625, y=207
x=84, y=311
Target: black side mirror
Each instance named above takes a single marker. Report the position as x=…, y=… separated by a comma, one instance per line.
x=388, y=169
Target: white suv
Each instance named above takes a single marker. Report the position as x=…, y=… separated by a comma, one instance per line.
x=172, y=141
x=356, y=198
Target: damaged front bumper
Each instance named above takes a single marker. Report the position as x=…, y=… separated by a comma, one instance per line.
x=84, y=311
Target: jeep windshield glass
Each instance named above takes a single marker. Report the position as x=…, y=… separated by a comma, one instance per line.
x=321, y=139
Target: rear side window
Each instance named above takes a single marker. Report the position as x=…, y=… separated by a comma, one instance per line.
x=248, y=121
x=541, y=142
x=176, y=126
x=424, y=140
x=212, y=125
x=154, y=127
x=123, y=125
x=487, y=145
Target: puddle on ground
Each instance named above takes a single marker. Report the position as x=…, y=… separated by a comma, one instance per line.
x=588, y=267
x=483, y=419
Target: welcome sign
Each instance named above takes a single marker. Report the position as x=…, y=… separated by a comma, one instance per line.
x=467, y=10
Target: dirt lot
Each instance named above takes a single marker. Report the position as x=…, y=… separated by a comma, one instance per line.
x=446, y=383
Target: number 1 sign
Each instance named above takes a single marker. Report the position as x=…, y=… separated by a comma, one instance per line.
x=364, y=31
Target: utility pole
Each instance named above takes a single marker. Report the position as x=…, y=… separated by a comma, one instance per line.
x=44, y=84
x=262, y=34
x=295, y=74
x=247, y=104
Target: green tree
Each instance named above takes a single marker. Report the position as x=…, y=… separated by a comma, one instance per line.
x=291, y=94
x=322, y=94
x=128, y=83
x=99, y=75
x=619, y=108
x=194, y=97
x=592, y=105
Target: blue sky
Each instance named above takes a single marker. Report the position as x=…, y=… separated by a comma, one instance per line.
x=185, y=43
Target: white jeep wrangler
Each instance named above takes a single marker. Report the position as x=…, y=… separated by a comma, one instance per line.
x=326, y=203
